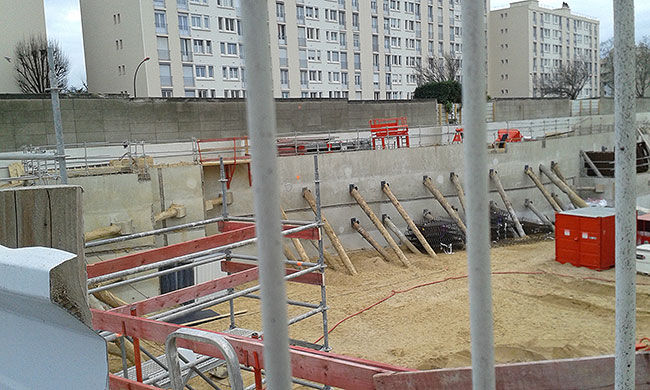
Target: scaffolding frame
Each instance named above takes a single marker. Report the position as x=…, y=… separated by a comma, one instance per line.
x=235, y=232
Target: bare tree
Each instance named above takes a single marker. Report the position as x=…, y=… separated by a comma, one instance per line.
x=642, y=85
x=436, y=70
x=32, y=72
x=566, y=81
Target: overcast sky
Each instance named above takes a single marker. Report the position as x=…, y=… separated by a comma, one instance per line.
x=64, y=24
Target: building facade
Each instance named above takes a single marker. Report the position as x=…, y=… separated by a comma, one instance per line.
x=528, y=42
x=356, y=49
x=18, y=20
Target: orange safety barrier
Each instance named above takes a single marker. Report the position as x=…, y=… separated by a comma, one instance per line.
x=211, y=149
x=458, y=137
x=387, y=129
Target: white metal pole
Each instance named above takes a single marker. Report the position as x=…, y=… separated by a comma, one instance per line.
x=262, y=133
x=625, y=192
x=56, y=112
x=476, y=183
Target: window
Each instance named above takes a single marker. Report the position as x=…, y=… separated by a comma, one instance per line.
x=313, y=34
x=165, y=74
x=208, y=47
x=196, y=21
x=163, y=48
x=211, y=72
x=161, y=22
x=311, y=12
x=188, y=75
x=199, y=47
x=200, y=71
x=225, y=3
x=313, y=55
x=183, y=24
x=315, y=75
x=228, y=48
x=282, y=34
x=230, y=73
x=333, y=56
x=206, y=22
x=284, y=77
x=167, y=93
x=186, y=49
x=226, y=24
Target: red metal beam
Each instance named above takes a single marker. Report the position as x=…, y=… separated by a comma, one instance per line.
x=309, y=234
x=314, y=278
x=118, y=383
x=589, y=373
x=188, y=293
x=317, y=366
x=170, y=251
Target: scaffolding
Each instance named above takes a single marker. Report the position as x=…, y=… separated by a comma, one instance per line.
x=235, y=232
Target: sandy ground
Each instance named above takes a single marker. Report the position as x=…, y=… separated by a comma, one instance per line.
x=536, y=317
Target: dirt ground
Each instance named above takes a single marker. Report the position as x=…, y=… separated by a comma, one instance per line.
x=536, y=316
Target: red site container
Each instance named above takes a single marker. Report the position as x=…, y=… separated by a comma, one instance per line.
x=585, y=237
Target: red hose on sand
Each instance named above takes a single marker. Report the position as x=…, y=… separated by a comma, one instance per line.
x=395, y=292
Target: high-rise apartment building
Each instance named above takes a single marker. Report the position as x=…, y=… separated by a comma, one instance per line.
x=356, y=49
x=528, y=42
x=18, y=20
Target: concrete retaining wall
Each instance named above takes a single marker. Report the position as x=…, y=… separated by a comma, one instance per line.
x=520, y=109
x=28, y=120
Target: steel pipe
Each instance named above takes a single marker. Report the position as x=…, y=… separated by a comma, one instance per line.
x=476, y=182
x=625, y=192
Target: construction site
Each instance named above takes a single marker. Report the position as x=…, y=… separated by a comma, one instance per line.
x=192, y=243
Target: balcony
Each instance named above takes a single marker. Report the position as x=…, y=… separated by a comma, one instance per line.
x=163, y=54
x=166, y=81
x=161, y=28
x=188, y=81
x=159, y=3
x=186, y=56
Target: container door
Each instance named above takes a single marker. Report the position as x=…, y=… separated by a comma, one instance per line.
x=590, y=242
x=567, y=244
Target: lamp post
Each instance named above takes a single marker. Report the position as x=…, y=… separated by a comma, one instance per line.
x=135, y=75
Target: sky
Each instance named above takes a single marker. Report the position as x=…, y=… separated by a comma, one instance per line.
x=64, y=24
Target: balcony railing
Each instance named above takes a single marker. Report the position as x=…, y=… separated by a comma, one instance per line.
x=284, y=61
x=301, y=19
x=182, y=4
x=302, y=42
x=159, y=3
x=184, y=30
x=188, y=81
x=344, y=64
x=303, y=64
x=186, y=56
x=166, y=81
x=161, y=28
x=163, y=54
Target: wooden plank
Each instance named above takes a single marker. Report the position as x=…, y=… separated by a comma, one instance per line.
x=170, y=251
x=177, y=297
x=322, y=367
x=8, y=223
x=309, y=234
x=313, y=278
x=33, y=217
x=589, y=373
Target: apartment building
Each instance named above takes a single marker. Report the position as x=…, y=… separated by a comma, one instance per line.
x=528, y=42
x=356, y=49
x=18, y=20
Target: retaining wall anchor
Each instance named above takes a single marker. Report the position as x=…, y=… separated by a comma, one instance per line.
x=385, y=187
x=497, y=182
x=575, y=199
x=357, y=226
x=547, y=195
x=385, y=219
x=426, y=180
x=354, y=192
x=309, y=197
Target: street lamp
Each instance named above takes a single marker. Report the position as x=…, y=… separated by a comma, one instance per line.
x=136, y=74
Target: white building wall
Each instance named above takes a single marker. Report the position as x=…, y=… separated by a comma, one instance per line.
x=527, y=42
x=18, y=20
x=320, y=47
